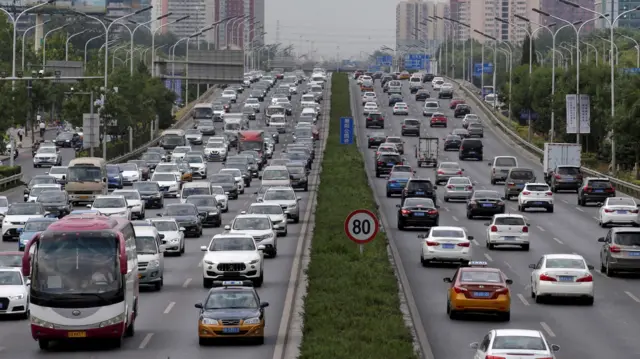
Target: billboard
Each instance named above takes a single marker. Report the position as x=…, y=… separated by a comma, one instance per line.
x=91, y=7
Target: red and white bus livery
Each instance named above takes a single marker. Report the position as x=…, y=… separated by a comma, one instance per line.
x=84, y=280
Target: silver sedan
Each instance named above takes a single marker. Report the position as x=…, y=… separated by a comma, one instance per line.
x=458, y=188
x=447, y=170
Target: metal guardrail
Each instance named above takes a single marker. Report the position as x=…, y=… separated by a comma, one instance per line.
x=178, y=124
x=622, y=186
x=6, y=181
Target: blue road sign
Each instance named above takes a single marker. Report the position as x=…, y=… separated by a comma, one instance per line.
x=386, y=60
x=346, y=130
x=415, y=61
x=477, y=68
x=632, y=70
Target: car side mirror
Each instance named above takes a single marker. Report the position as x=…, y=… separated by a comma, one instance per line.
x=27, y=282
x=260, y=177
x=162, y=248
x=470, y=238
x=130, y=206
x=503, y=198
x=159, y=214
x=162, y=236
x=435, y=187
x=555, y=347
x=227, y=227
x=261, y=247
x=298, y=199
x=474, y=345
x=203, y=248
x=447, y=280
x=487, y=224
x=398, y=206
x=264, y=304
x=243, y=212
x=88, y=206
x=528, y=224
x=601, y=240
x=590, y=267
x=489, y=163
x=532, y=266
x=198, y=305
x=509, y=281
x=182, y=229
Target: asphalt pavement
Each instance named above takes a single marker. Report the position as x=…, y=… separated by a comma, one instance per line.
x=607, y=329
x=167, y=322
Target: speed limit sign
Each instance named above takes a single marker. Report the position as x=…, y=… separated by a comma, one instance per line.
x=361, y=226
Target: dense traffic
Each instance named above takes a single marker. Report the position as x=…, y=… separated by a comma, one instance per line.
x=90, y=236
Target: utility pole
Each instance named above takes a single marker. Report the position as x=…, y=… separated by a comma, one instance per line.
x=278, y=32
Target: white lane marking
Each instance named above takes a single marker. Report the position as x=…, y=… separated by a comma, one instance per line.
x=557, y=240
x=475, y=242
x=636, y=299
x=541, y=229
x=596, y=218
x=186, y=283
x=488, y=257
x=169, y=307
x=579, y=209
x=547, y=329
x=508, y=265
x=565, y=201
x=483, y=187
x=446, y=209
x=523, y=299
x=455, y=218
x=145, y=341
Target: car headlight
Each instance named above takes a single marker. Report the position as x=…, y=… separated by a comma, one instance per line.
x=115, y=320
x=157, y=195
x=250, y=321
x=213, y=213
x=154, y=263
x=208, y=262
x=254, y=261
x=16, y=297
x=6, y=222
x=209, y=321
x=292, y=205
x=174, y=240
x=41, y=323
x=266, y=236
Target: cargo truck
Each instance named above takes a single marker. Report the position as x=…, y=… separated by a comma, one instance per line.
x=427, y=151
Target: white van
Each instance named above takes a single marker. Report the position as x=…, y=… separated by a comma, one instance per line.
x=150, y=249
x=233, y=125
x=275, y=176
x=194, y=188
x=308, y=112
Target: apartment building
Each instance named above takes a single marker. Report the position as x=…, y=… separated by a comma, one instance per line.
x=480, y=15
x=179, y=8
x=615, y=8
x=415, y=25
x=236, y=34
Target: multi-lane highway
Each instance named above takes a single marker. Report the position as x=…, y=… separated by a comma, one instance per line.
x=167, y=322
x=606, y=329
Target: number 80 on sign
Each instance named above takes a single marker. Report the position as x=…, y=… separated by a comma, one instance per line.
x=361, y=226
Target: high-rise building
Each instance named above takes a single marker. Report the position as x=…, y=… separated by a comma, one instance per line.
x=415, y=26
x=570, y=13
x=480, y=15
x=236, y=33
x=179, y=8
x=615, y=8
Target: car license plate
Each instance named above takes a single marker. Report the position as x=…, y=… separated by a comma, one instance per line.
x=231, y=330
x=482, y=294
x=418, y=214
x=509, y=238
x=448, y=246
x=419, y=192
x=390, y=164
x=472, y=152
x=459, y=188
x=634, y=254
x=520, y=185
x=487, y=205
x=84, y=197
x=537, y=202
x=598, y=191
x=564, y=278
x=621, y=212
x=77, y=334
x=568, y=178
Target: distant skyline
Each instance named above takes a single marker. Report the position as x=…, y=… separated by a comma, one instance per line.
x=331, y=24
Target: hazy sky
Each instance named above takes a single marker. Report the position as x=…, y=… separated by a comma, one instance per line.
x=351, y=25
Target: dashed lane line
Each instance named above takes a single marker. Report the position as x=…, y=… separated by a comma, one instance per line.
x=547, y=329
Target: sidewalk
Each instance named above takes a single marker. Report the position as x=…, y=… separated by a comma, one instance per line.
x=26, y=140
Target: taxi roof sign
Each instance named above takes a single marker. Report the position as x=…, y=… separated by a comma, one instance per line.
x=478, y=264
x=233, y=283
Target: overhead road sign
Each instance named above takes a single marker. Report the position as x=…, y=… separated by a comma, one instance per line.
x=477, y=68
x=632, y=70
x=416, y=61
x=386, y=60
x=361, y=226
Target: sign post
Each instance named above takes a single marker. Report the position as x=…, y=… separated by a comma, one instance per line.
x=361, y=226
x=346, y=130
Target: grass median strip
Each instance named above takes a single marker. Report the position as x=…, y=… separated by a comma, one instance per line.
x=352, y=309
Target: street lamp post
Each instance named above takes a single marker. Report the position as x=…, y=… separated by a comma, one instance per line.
x=86, y=45
x=509, y=55
x=228, y=34
x=613, y=80
x=15, y=31
x=24, y=40
x=595, y=49
x=240, y=26
x=133, y=33
x=613, y=55
x=44, y=43
x=153, y=41
x=66, y=44
x=637, y=48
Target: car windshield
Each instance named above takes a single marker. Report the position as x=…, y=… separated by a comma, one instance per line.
x=128, y=195
x=179, y=150
x=217, y=190
x=109, y=202
x=128, y=167
x=271, y=174
x=215, y=145
x=509, y=221
x=470, y=276
x=412, y=122
x=506, y=162
x=565, y=263
x=265, y=210
x=165, y=226
x=151, y=157
x=47, y=150
x=202, y=201
x=538, y=187
x=628, y=238
x=146, y=186
x=193, y=159
x=4, y=202
x=52, y=196
x=449, y=165
x=459, y=180
x=568, y=171
x=231, y=299
x=252, y=101
x=419, y=202
x=252, y=223
x=36, y=226
x=297, y=170
x=232, y=171
x=400, y=175
x=402, y=169
x=10, y=278
x=286, y=195
x=431, y=105
x=521, y=175
x=621, y=201
x=453, y=138
x=394, y=140
x=146, y=245
x=164, y=177
x=167, y=167
x=512, y=342
x=486, y=195
x=42, y=180
x=11, y=260
x=193, y=132
x=65, y=136
x=232, y=244
x=24, y=209
x=447, y=233
x=180, y=210
x=220, y=178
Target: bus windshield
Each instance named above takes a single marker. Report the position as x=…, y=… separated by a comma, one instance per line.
x=174, y=140
x=203, y=112
x=72, y=263
x=251, y=146
x=84, y=174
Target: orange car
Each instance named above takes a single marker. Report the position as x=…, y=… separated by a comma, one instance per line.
x=479, y=289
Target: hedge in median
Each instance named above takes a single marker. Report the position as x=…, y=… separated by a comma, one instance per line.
x=352, y=309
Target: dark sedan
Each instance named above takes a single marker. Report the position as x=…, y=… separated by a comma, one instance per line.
x=565, y=178
x=143, y=167
x=376, y=139
x=299, y=178
x=417, y=212
x=395, y=98
x=186, y=214
x=257, y=94
x=208, y=209
x=452, y=143
x=422, y=95
x=485, y=203
x=55, y=202
x=67, y=139
x=150, y=193
x=227, y=182
x=244, y=169
x=461, y=110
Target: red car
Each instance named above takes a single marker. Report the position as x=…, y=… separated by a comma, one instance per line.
x=438, y=119
x=455, y=102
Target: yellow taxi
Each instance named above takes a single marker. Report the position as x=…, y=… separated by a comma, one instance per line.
x=479, y=289
x=404, y=75
x=231, y=310
x=187, y=172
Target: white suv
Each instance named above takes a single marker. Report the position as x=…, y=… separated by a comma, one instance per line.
x=232, y=254
x=535, y=195
x=508, y=229
x=230, y=94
